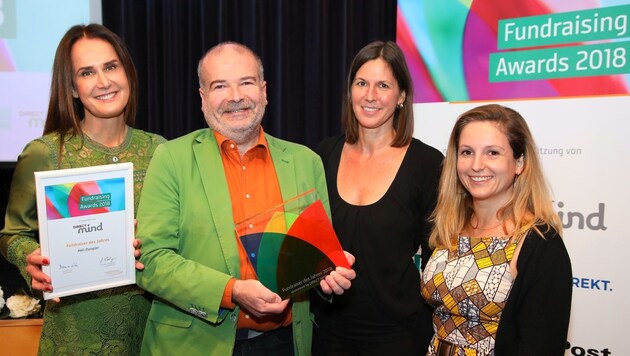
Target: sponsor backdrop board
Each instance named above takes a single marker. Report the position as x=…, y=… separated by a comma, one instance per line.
x=30, y=31
x=564, y=65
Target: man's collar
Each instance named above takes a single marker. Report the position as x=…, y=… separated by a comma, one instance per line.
x=222, y=139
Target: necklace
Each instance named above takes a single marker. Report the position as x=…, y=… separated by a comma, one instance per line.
x=487, y=228
x=482, y=229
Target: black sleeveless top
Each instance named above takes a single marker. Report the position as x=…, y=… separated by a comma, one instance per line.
x=384, y=237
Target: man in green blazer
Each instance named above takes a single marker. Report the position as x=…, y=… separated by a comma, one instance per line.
x=187, y=228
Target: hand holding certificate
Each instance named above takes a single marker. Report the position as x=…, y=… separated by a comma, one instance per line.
x=85, y=217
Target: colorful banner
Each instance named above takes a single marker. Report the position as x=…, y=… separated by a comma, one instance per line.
x=498, y=50
x=30, y=31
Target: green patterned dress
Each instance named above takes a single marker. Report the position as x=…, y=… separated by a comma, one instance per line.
x=106, y=322
x=469, y=288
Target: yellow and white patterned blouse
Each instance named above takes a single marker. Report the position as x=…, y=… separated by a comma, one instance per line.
x=469, y=288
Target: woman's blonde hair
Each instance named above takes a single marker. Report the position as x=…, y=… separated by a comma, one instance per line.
x=530, y=205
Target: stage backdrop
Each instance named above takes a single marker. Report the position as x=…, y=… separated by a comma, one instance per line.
x=564, y=66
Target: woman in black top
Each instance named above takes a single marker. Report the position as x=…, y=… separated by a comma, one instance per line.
x=382, y=185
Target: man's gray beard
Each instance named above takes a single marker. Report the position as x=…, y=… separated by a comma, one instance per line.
x=238, y=136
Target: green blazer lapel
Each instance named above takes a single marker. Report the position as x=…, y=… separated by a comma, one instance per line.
x=283, y=161
x=216, y=191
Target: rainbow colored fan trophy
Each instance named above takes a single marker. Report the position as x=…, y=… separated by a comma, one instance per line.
x=292, y=246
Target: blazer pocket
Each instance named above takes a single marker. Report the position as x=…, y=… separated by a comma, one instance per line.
x=169, y=315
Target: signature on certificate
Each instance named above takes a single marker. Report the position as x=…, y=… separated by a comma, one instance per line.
x=67, y=268
x=108, y=261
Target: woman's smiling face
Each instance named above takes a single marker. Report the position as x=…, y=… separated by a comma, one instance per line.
x=100, y=81
x=486, y=166
x=375, y=94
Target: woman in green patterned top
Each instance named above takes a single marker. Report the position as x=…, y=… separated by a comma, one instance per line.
x=92, y=107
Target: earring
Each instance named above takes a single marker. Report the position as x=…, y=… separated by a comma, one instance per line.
x=400, y=105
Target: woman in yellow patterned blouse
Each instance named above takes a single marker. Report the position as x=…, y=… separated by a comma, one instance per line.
x=92, y=106
x=500, y=275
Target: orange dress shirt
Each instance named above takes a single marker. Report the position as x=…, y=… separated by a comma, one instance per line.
x=254, y=188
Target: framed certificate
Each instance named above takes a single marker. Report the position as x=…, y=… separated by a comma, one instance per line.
x=86, y=227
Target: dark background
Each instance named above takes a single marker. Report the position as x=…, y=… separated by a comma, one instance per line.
x=306, y=47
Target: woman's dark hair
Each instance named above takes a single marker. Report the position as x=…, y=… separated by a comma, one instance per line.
x=66, y=112
x=403, y=116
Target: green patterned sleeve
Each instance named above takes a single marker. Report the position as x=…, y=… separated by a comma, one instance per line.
x=20, y=234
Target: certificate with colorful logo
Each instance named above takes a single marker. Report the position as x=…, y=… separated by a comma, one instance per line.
x=86, y=227
x=292, y=246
